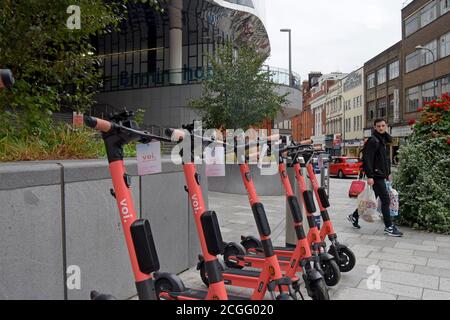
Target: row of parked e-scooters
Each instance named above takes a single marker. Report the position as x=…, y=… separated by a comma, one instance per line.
x=254, y=262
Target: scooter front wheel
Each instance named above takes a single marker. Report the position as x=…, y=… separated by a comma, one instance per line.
x=331, y=272
x=233, y=249
x=319, y=290
x=203, y=275
x=101, y=296
x=347, y=259
x=250, y=243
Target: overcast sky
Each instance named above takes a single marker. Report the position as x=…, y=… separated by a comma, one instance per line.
x=331, y=35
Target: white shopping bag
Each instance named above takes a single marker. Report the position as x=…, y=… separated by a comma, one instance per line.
x=367, y=205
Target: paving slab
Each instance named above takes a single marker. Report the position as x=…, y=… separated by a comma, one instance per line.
x=396, y=289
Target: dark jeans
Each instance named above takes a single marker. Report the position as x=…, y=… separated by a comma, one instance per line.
x=381, y=192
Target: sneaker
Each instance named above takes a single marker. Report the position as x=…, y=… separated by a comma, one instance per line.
x=393, y=231
x=353, y=221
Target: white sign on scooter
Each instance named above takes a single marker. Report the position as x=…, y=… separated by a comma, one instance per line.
x=149, y=158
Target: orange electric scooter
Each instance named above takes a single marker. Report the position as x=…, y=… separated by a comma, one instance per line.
x=344, y=257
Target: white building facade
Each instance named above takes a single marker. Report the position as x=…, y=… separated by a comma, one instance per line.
x=353, y=112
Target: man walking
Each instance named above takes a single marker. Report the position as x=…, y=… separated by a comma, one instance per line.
x=377, y=168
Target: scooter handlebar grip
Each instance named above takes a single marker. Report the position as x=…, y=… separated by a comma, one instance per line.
x=98, y=124
x=306, y=142
x=175, y=134
x=168, y=132
x=274, y=137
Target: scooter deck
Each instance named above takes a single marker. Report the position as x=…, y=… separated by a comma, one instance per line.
x=242, y=272
x=280, y=249
x=284, y=248
x=280, y=258
x=200, y=295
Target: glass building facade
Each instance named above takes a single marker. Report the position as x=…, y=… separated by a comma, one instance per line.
x=138, y=56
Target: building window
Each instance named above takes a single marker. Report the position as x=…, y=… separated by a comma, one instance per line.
x=381, y=76
x=412, y=99
x=381, y=108
x=427, y=92
x=420, y=58
x=412, y=61
x=412, y=24
x=371, y=81
x=445, y=6
x=427, y=57
x=391, y=105
x=445, y=45
x=394, y=70
x=371, y=110
x=428, y=14
x=445, y=85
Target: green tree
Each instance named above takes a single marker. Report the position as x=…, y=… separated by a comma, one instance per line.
x=54, y=66
x=423, y=177
x=238, y=93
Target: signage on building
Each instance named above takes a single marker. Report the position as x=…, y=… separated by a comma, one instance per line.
x=353, y=80
x=396, y=106
x=337, y=140
x=401, y=131
x=354, y=143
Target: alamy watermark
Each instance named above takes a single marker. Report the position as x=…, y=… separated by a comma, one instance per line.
x=74, y=20
x=373, y=282
x=73, y=281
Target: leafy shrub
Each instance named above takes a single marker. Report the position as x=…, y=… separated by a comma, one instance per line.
x=423, y=177
x=55, y=143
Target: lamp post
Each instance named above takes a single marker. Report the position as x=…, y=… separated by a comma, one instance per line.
x=434, y=67
x=290, y=55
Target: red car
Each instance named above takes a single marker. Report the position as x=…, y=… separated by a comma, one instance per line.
x=345, y=166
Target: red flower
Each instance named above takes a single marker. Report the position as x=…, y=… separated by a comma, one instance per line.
x=412, y=122
x=420, y=109
x=448, y=141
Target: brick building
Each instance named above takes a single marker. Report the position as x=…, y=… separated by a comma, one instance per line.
x=425, y=23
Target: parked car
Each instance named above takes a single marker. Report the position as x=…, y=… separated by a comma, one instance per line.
x=345, y=166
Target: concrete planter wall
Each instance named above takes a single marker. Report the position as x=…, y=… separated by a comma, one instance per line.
x=57, y=215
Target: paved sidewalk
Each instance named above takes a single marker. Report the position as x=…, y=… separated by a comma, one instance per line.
x=416, y=266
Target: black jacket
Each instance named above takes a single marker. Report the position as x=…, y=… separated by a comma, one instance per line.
x=375, y=160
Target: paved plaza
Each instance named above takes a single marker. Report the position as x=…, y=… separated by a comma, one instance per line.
x=416, y=266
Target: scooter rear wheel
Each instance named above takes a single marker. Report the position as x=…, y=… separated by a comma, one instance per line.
x=331, y=272
x=319, y=290
x=164, y=284
x=347, y=259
